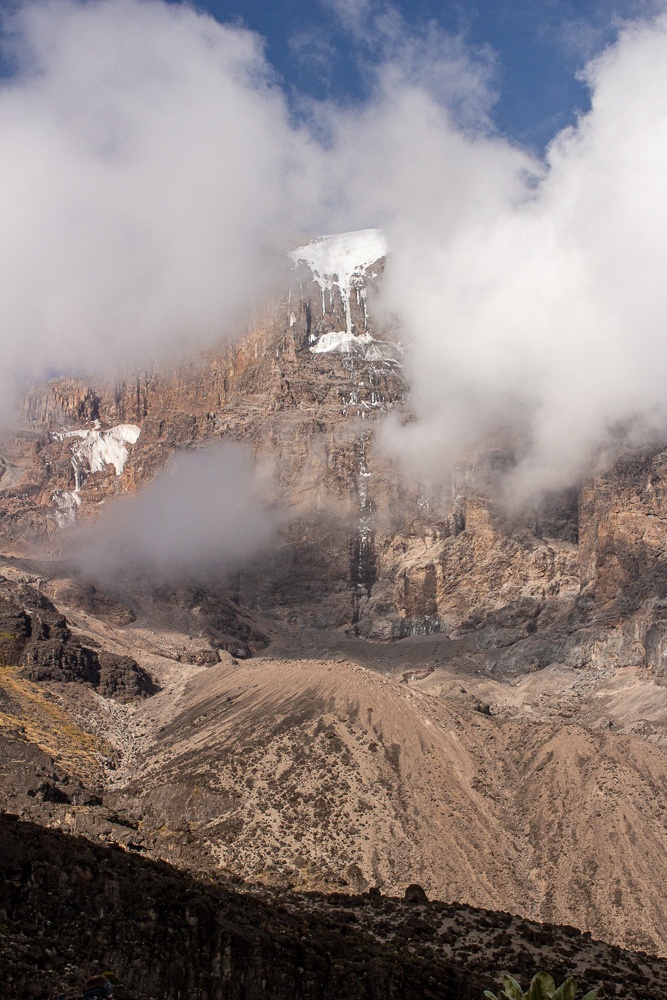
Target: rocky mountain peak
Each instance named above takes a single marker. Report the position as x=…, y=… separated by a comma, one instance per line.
x=341, y=264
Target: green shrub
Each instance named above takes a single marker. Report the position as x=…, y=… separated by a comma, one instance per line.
x=541, y=988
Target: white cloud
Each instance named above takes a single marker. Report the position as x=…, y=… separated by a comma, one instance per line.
x=143, y=158
x=205, y=514
x=391, y=54
x=532, y=295
x=147, y=160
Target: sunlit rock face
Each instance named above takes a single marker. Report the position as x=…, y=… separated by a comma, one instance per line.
x=366, y=546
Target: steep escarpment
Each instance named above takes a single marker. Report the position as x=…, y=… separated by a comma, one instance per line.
x=579, y=578
x=507, y=752
x=307, y=387
x=301, y=389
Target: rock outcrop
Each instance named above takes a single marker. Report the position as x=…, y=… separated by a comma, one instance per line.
x=36, y=637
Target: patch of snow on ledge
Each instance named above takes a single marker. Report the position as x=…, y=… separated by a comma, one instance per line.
x=367, y=347
x=99, y=448
x=341, y=342
x=337, y=260
x=94, y=450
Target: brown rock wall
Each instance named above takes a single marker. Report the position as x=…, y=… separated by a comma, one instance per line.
x=623, y=529
x=364, y=545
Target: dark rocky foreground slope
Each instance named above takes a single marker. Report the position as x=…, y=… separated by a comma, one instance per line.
x=70, y=908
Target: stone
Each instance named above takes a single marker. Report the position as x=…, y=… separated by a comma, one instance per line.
x=415, y=894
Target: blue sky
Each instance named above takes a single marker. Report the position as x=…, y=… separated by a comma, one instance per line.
x=534, y=49
x=537, y=48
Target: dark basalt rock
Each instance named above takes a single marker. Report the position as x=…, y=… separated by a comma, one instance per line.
x=35, y=636
x=96, y=602
x=75, y=908
x=415, y=894
x=70, y=908
x=58, y=660
x=49, y=792
x=122, y=677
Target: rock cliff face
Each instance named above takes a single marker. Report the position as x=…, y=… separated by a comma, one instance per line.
x=307, y=387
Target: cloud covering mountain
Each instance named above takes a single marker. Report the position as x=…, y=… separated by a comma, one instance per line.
x=205, y=514
x=145, y=153
x=150, y=164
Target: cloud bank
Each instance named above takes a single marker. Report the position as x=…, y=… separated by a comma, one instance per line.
x=204, y=515
x=148, y=159
x=532, y=294
x=144, y=152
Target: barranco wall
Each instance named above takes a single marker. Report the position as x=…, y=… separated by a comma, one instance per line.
x=308, y=387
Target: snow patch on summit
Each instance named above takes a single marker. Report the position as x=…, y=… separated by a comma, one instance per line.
x=341, y=261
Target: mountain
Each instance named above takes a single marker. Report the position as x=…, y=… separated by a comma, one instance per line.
x=412, y=686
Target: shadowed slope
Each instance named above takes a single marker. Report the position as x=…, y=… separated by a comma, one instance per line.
x=71, y=907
